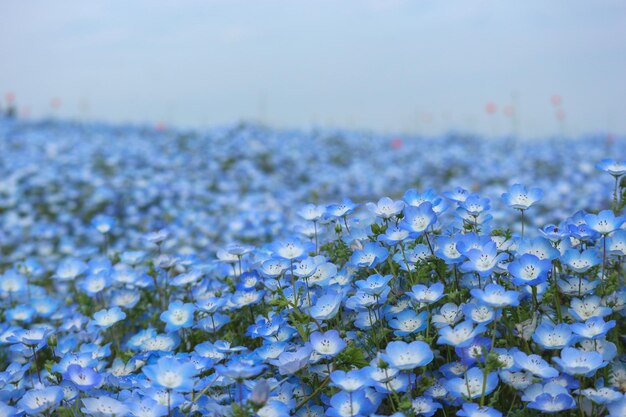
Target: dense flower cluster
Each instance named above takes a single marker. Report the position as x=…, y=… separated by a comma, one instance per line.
x=150, y=274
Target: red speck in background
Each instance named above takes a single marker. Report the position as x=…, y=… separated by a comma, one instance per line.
x=556, y=100
x=160, y=126
x=397, y=143
x=560, y=115
x=508, y=111
x=490, y=107
x=9, y=97
x=55, y=103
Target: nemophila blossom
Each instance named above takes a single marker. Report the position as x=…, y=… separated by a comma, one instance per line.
x=475, y=410
x=171, y=374
x=581, y=261
x=601, y=394
x=553, y=337
x=179, y=315
x=369, y=256
x=374, y=284
x=458, y=194
x=539, y=247
x=576, y=286
x=548, y=398
x=460, y=335
x=496, y=296
x=521, y=198
x=471, y=384
x=479, y=313
x=614, y=167
x=147, y=407
x=41, y=400
x=312, y=212
x=12, y=283
x=588, y=307
x=107, y=318
x=408, y=322
x=604, y=222
x=291, y=362
x=476, y=351
x=616, y=243
x=83, y=378
x=577, y=362
x=345, y=208
x=386, y=207
x=104, y=406
x=407, y=356
x=417, y=219
x=239, y=368
x=348, y=404
x=427, y=294
x=425, y=406
x=449, y=314
x=534, y=364
x=393, y=235
x=617, y=408
x=70, y=268
x=593, y=328
x=446, y=249
x=292, y=249
x=328, y=343
x=474, y=205
x=483, y=261
x=350, y=381
x=103, y=223
x=529, y=270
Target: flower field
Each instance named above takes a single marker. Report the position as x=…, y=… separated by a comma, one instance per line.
x=243, y=271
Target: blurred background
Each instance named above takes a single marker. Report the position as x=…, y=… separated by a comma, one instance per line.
x=528, y=69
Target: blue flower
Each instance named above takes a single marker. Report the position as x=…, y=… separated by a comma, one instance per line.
x=617, y=408
x=484, y=260
x=386, y=207
x=350, y=381
x=417, y=219
x=374, y=284
x=178, y=315
x=604, y=222
x=475, y=410
x=496, y=296
x=529, y=270
x=240, y=368
x=577, y=362
x=328, y=343
x=41, y=401
x=171, y=374
x=291, y=362
x=612, y=166
x=107, y=318
x=427, y=295
x=408, y=322
x=534, y=364
x=347, y=404
x=471, y=385
x=474, y=205
x=461, y=335
x=553, y=337
x=371, y=255
x=292, y=249
x=549, y=398
x=83, y=378
x=345, y=208
x=104, y=406
x=425, y=406
x=521, y=198
x=581, y=261
x=593, y=328
x=103, y=223
x=407, y=356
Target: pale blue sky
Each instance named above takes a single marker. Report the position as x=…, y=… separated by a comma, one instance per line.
x=385, y=65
